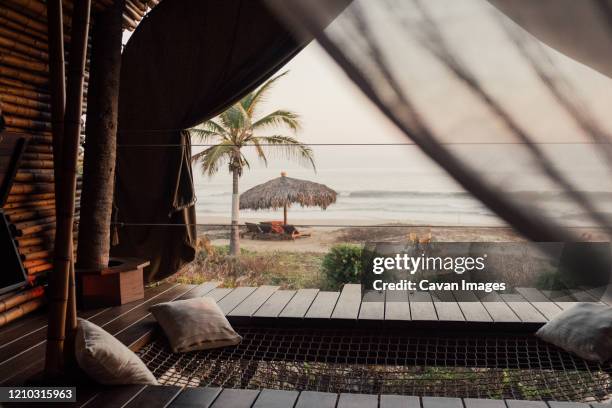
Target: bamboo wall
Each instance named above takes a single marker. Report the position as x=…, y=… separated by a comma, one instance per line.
x=25, y=106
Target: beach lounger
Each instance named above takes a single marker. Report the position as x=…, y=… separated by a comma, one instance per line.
x=253, y=229
x=265, y=228
x=292, y=232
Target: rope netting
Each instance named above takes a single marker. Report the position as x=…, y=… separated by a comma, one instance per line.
x=387, y=362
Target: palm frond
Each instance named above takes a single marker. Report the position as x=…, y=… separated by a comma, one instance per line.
x=203, y=135
x=259, y=149
x=214, y=157
x=253, y=99
x=289, y=148
x=207, y=131
x=279, y=118
x=232, y=119
x=213, y=126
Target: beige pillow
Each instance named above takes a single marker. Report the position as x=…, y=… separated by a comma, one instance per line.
x=584, y=329
x=106, y=360
x=194, y=324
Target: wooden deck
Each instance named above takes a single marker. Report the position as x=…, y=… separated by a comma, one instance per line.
x=526, y=310
x=207, y=397
x=22, y=343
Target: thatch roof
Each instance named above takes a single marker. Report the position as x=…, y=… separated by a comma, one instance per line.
x=285, y=190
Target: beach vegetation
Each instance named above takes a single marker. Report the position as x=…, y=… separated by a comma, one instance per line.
x=287, y=269
x=342, y=264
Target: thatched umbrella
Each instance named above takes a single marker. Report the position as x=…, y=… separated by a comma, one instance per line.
x=284, y=191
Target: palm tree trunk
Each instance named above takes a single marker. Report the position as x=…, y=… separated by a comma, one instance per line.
x=234, y=248
x=100, y=149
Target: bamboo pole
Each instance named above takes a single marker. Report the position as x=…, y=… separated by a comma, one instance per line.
x=44, y=267
x=34, y=96
x=23, y=20
x=21, y=297
x=21, y=310
x=29, y=204
x=25, y=102
x=6, y=21
x=60, y=278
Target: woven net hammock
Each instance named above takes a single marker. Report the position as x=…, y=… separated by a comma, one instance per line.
x=387, y=362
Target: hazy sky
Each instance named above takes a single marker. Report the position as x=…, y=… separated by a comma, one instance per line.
x=334, y=111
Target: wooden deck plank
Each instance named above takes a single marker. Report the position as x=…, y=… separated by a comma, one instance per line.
x=299, y=304
x=196, y=397
x=201, y=290
x=13, y=348
x=154, y=396
x=276, y=399
x=32, y=358
x=602, y=294
x=275, y=304
x=84, y=395
x=348, y=303
x=323, y=305
x=421, y=306
x=114, y=396
x=447, y=307
x=525, y=404
x=558, y=296
x=219, y=293
x=372, y=306
x=540, y=302
x=254, y=301
x=22, y=327
x=499, y=311
x=441, y=402
x=234, y=298
x=566, y=404
x=314, y=399
x=397, y=306
x=523, y=309
x=235, y=398
x=399, y=401
x=472, y=308
x=483, y=403
x=582, y=296
x=357, y=401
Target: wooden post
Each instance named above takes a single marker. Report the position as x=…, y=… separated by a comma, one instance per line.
x=101, y=140
x=284, y=174
x=57, y=75
x=285, y=214
x=66, y=191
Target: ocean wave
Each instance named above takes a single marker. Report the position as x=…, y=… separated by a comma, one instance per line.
x=605, y=195
x=391, y=193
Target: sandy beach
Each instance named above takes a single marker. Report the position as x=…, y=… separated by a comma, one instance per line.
x=324, y=235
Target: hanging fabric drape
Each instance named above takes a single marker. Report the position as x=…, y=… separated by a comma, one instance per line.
x=580, y=29
x=450, y=72
x=186, y=62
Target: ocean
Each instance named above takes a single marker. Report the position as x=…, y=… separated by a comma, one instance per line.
x=377, y=196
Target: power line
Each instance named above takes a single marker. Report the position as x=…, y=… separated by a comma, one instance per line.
x=366, y=144
x=136, y=224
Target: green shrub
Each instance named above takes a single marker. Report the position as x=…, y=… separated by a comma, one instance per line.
x=342, y=264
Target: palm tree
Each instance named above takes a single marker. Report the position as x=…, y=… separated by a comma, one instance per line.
x=240, y=126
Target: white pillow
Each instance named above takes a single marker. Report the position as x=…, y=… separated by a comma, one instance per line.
x=584, y=329
x=194, y=324
x=106, y=360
